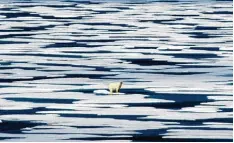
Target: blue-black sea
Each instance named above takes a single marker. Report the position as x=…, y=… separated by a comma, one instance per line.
x=174, y=57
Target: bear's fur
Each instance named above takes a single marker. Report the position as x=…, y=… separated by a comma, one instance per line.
x=115, y=87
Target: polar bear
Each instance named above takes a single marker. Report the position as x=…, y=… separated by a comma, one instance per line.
x=115, y=87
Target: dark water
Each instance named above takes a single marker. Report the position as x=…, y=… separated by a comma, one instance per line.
x=174, y=57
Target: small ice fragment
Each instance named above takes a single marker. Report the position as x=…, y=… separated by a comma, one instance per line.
x=103, y=92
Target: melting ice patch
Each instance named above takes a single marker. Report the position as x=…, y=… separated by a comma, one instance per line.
x=174, y=58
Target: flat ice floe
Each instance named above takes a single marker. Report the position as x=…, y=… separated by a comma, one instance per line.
x=174, y=58
x=106, y=92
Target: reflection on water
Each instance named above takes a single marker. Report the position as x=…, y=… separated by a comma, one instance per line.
x=57, y=59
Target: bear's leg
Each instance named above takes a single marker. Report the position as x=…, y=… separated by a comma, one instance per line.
x=113, y=90
x=110, y=91
x=118, y=89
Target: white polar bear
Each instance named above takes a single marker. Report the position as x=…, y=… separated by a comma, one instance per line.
x=115, y=87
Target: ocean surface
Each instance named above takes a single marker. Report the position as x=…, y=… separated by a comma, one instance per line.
x=174, y=58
